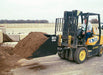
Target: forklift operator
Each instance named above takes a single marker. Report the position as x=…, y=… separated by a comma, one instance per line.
x=89, y=29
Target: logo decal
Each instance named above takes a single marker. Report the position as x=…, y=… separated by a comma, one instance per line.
x=53, y=38
x=93, y=40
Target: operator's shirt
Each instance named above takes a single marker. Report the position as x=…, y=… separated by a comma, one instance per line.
x=89, y=27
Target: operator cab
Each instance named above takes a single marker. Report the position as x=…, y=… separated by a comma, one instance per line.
x=90, y=20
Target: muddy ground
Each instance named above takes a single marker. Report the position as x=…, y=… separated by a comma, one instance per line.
x=53, y=65
x=7, y=60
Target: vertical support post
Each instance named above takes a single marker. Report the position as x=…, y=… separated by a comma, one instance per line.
x=69, y=40
x=99, y=27
x=59, y=40
x=55, y=26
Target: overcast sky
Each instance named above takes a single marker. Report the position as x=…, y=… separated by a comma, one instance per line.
x=46, y=9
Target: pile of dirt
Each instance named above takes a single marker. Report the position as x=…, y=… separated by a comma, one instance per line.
x=6, y=38
x=7, y=60
x=9, y=56
x=30, y=44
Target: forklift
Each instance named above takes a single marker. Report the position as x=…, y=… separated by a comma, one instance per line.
x=71, y=43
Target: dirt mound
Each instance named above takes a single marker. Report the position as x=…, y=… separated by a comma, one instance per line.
x=9, y=56
x=6, y=38
x=30, y=44
x=7, y=60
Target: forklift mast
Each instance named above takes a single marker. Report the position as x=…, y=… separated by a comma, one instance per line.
x=68, y=27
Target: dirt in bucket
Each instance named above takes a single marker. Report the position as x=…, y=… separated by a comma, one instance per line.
x=30, y=44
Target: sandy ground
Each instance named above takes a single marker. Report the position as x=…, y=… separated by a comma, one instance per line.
x=46, y=29
x=49, y=30
x=29, y=27
x=53, y=65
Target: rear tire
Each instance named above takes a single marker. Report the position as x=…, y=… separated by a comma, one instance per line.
x=80, y=55
x=61, y=54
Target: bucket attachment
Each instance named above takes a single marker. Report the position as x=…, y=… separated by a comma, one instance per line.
x=49, y=47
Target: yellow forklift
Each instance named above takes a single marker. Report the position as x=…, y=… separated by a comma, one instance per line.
x=71, y=43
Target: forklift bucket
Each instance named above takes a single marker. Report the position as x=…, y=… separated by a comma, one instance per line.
x=49, y=47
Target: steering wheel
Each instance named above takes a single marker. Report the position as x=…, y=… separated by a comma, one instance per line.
x=80, y=32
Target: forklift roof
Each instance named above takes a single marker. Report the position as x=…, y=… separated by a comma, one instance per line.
x=89, y=14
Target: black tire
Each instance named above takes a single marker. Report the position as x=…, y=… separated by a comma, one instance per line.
x=100, y=51
x=61, y=54
x=80, y=55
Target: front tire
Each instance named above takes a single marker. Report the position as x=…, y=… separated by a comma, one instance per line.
x=100, y=51
x=61, y=54
x=80, y=55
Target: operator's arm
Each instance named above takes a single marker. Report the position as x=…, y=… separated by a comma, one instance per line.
x=89, y=28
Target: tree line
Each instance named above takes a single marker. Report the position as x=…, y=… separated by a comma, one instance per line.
x=24, y=21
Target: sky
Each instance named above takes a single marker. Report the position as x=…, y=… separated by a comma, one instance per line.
x=46, y=9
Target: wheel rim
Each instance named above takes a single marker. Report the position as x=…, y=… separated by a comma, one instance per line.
x=101, y=51
x=82, y=55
